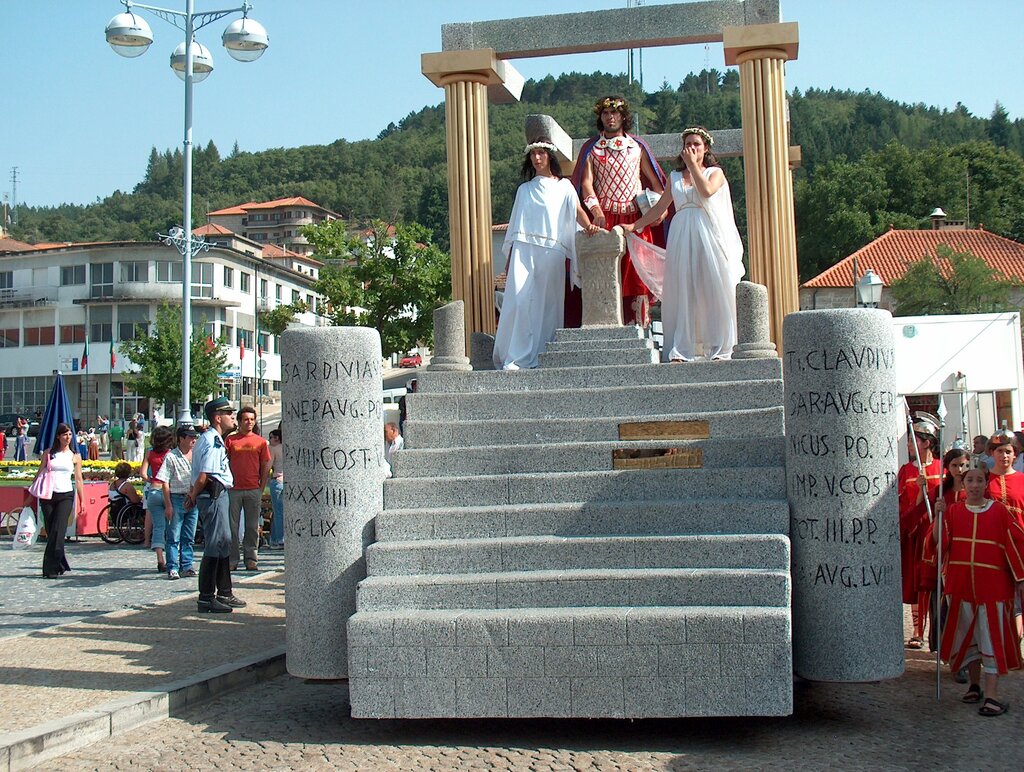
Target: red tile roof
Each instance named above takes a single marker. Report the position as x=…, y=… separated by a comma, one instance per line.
x=13, y=245
x=891, y=254
x=295, y=201
x=212, y=229
x=240, y=209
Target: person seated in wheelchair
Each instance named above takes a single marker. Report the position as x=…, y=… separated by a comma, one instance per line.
x=122, y=492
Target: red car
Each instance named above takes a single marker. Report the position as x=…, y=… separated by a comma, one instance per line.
x=413, y=360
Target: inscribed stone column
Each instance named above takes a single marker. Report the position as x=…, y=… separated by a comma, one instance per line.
x=842, y=431
x=334, y=470
x=465, y=75
x=761, y=52
x=598, y=258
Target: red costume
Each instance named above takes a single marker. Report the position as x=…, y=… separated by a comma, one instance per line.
x=983, y=553
x=913, y=527
x=1008, y=489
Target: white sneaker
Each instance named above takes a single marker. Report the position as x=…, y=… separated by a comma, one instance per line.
x=172, y=575
x=510, y=367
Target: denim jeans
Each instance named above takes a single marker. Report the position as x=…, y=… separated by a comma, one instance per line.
x=277, y=500
x=155, y=508
x=180, y=534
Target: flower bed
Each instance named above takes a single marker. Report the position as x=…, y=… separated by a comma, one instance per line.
x=24, y=471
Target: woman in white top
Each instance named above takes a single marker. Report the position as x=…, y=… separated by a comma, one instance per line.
x=65, y=468
x=541, y=237
x=703, y=261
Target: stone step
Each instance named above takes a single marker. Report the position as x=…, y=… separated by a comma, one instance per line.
x=608, y=401
x=585, y=457
x=576, y=378
x=756, y=423
x=571, y=662
x=599, y=356
x=585, y=334
x=579, y=587
x=630, y=485
x=551, y=553
x=612, y=344
x=591, y=518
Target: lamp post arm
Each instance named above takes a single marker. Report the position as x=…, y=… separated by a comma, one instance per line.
x=180, y=18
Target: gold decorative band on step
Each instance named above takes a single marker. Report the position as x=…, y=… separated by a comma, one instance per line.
x=665, y=430
x=658, y=458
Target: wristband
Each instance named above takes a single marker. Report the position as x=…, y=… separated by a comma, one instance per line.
x=590, y=202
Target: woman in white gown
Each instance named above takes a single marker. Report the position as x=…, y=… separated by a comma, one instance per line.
x=541, y=237
x=696, y=274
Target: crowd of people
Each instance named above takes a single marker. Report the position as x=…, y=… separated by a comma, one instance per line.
x=215, y=477
x=961, y=520
x=694, y=273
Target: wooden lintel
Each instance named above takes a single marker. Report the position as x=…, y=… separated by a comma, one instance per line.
x=665, y=430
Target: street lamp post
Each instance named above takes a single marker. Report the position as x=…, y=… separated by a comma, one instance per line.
x=869, y=290
x=245, y=40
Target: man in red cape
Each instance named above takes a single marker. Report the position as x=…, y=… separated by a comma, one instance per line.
x=611, y=170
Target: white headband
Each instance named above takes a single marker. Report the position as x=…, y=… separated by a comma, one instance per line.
x=538, y=145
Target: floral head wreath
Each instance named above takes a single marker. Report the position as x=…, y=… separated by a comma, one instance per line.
x=708, y=139
x=540, y=145
x=608, y=103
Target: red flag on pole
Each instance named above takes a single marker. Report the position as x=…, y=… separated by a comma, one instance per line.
x=113, y=356
x=241, y=350
x=259, y=351
x=85, y=354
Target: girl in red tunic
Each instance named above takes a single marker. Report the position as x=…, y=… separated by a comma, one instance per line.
x=983, y=553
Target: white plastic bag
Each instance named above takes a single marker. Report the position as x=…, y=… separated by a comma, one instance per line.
x=27, y=531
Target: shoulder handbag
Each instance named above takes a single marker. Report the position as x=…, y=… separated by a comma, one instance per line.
x=42, y=486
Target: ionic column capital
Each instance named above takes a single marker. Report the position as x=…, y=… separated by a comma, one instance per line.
x=761, y=41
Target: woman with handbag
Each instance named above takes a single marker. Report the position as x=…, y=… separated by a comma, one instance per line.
x=60, y=470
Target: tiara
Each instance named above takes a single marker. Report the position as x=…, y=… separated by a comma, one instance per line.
x=540, y=145
x=708, y=139
x=608, y=103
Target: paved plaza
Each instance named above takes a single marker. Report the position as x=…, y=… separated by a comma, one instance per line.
x=125, y=631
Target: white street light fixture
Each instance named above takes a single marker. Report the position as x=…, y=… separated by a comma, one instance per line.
x=869, y=290
x=202, y=61
x=245, y=40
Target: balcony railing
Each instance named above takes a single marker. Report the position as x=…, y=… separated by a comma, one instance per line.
x=30, y=296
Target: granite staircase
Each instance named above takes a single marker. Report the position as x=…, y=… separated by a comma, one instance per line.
x=600, y=537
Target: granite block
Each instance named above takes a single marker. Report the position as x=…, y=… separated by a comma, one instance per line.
x=393, y=661
x=716, y=625
x=540, y=628
x=372, y=697
x=654, y=697
x=750, y=659
x=609, y=591
x=600, y=627
x=539, y=697
x=688, y=659
x=424, y=629
x=716, y=695
x=598, y=358
x=573, y=519
x=370, y=630
x=456, y=661
x=425, y=698
x=358, y=658
x=621, y=661
x=515, y=661
x=570, y=660
x=597, y=698
x=481, y=697
x=479, y=630
x=767, y=624
x=646, y=626
x=478, y=524
x=481, y=351
x=770, y=696
x=394, y=526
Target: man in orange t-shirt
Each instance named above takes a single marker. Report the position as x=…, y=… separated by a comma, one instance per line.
x=249, y=458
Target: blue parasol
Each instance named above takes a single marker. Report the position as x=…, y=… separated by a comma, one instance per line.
x=58, y=411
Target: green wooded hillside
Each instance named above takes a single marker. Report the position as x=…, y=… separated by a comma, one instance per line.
x=868, y=162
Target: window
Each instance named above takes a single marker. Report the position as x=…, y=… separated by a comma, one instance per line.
x=101, y=327
x=227, y=333
x=9, y=338
x=202, y=280
x=295, y=296
x=168, y=271
x=277, y=292
x=102, y=280
x=132, y=322
x=39, y=336
x=72, y=333
x=134, y=271
x=244, y=336
x=261, y=341
x=243, y=283
x=72, y=274
x=264, y=284
x=6, y=279
x=229, y=277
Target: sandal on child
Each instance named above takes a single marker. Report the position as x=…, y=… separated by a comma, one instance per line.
x=915, y=643
x=992, y=708
x=973, y=695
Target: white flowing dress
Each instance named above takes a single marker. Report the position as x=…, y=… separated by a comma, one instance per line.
x=696, y=274
x=541, y=237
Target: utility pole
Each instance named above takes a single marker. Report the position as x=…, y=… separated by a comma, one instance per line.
x=14, y=195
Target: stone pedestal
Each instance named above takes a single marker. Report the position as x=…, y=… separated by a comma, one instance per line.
x=753, y=334
x=334, y=470
x=842, y=430
x=450, y=338
x=598, y=257
x=481, y=351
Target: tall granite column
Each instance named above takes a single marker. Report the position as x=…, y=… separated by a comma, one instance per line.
x=333, y=429
x=449, y=338
x=761, y=52
x=465, y=75
x=842, y=430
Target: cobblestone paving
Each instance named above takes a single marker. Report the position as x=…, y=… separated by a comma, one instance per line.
x=291, y=724
x=103, y=578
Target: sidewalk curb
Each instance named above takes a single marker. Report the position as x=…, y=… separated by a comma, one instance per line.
x=19, y=750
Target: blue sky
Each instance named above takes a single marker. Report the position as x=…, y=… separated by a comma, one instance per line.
x=79, y=121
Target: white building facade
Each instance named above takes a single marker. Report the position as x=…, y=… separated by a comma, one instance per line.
x=54, y=298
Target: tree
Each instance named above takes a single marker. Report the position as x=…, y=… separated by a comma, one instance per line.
x=390, y=280
x=952, y=283
x=277, y=320
x=158, y=357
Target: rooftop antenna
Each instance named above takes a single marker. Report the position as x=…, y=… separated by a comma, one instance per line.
x=707, y=69
x=14, y=194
